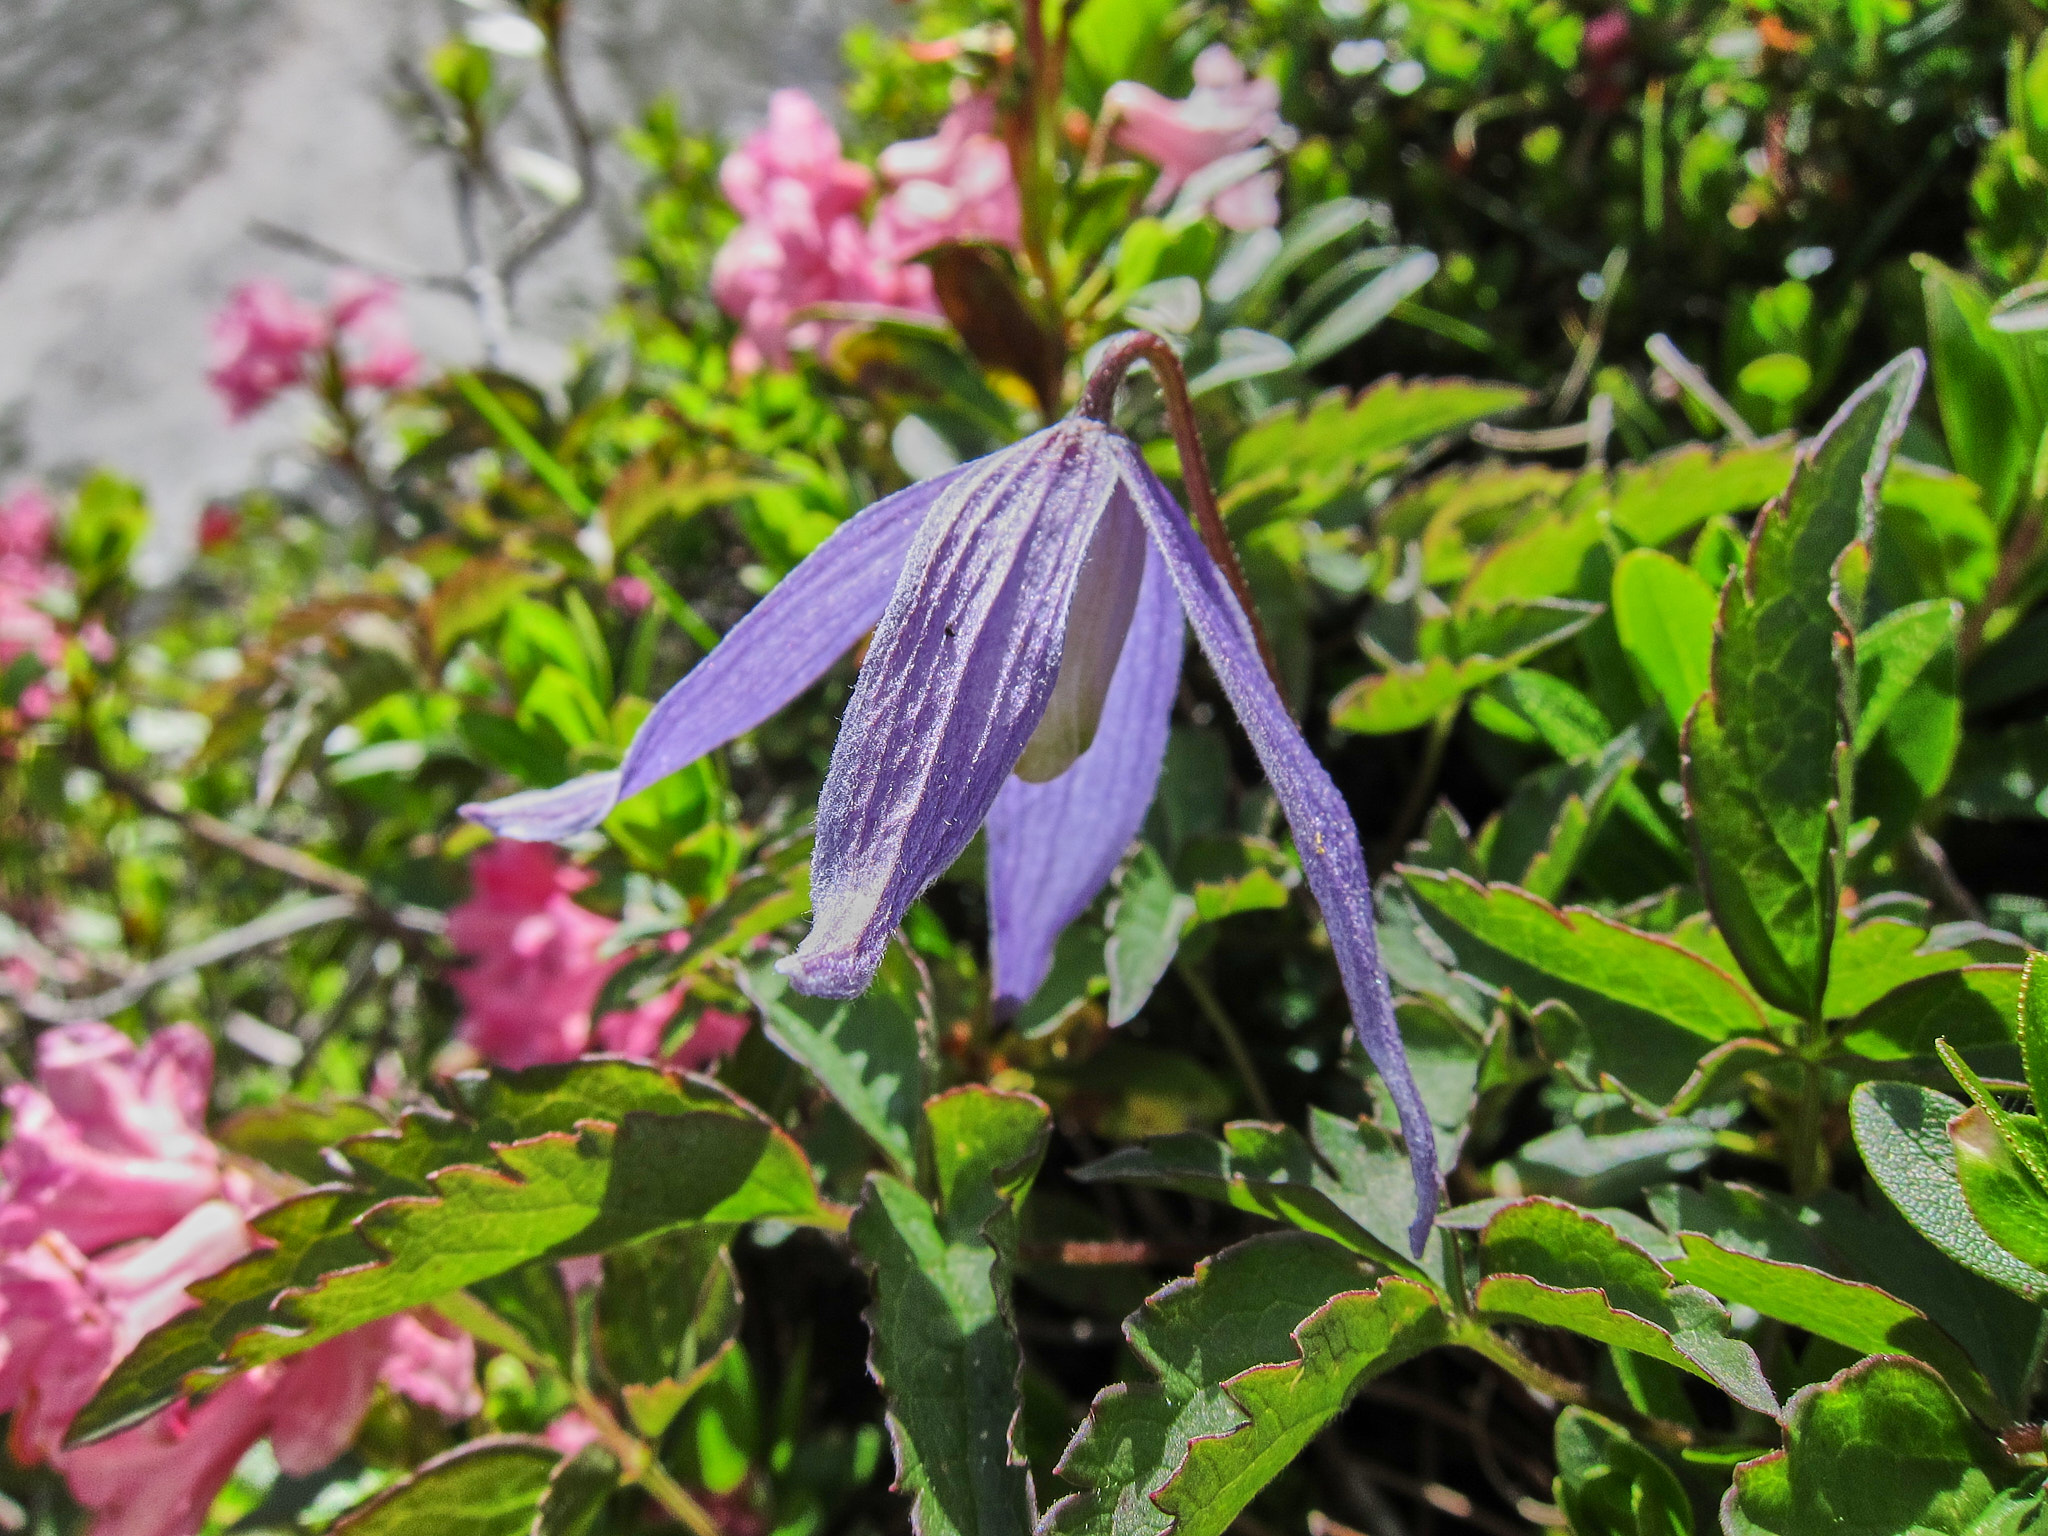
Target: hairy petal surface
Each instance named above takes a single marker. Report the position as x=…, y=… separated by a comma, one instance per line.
x=784, y=644
x=1323, y=831
x=1052, y=846
x=955, y=682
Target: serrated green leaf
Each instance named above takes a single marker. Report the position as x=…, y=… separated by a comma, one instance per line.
x=1881, y=1449
x=1608, y=1485
x=1902, y=1131
x=1549, y=1263
x=1538, y=838
x=1989, y=414
x=1765, y=752
x=1649, y=1005
x=1910, y=720
x=1339, y=438
x=1147, y=917
x=1732, y=1252
x=872, y=1054
x=1664, y=614
x=2032, y=1015
x=489, y=1487
x=1663, y=497
x=1285, y=1317
x=292, y=1135
x=576, y=1494
x=667, y=1311
x=943, y=1346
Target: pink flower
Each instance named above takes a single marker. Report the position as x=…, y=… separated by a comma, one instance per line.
x=955, y=186
x=376, y=351
x=112, y=1144
x=570, y=1433
x=802, y=242
x=262, y=341
x=717, y=1035
x=29, y=581
x=1227, y=116
x=630, y=594
x=26, y=522
x=431, y=1361
x=535, y=969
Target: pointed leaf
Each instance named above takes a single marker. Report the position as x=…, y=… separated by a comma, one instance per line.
x=1664, y=614
x=1146, y=920
x=489, y=1487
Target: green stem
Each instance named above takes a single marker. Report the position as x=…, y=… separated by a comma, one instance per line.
x=1483, y=1341
x=1233, y=1042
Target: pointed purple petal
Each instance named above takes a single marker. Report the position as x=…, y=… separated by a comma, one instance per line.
x=1323, y=831
x=1052, y=846
x=786, y=642
x=956, y=680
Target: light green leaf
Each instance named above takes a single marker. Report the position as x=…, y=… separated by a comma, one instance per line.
x=1661, y=498
x=1649, y=1005
x=2003, y=1193
x=1340, y=438
x=1487, y=644
x=1765, y=758
x=1365, y=307
x=489, y=1487
x=1665, y=617
x=942, y=1347
x=1252, y=1355
x=1880, y=1450
x=1609, y=1485
x=1970, y=1006
x=1988, y=413
x=2032, y=1013
x=872, y=1054
x=1902, y=1131
x=1146, y=920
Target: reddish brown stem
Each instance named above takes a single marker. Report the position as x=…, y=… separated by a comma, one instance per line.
x=1098, y=403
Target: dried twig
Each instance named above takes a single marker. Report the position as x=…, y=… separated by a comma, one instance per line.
x=1665, y=354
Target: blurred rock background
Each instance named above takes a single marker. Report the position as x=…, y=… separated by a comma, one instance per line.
x=139, y=142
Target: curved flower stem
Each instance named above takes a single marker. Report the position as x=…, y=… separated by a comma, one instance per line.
x=1098, y=403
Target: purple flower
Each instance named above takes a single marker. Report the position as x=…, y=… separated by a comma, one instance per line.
x=1027, y=613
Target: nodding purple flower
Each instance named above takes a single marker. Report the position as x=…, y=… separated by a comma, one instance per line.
x=1027, y=613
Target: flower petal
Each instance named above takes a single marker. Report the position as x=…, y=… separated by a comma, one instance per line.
x=1052, y=846
x=784, y=644
x=956, y=680
x=1323, y=831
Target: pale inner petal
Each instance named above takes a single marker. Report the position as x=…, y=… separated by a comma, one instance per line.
x=1105, y=595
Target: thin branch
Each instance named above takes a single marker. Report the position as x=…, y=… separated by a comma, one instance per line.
x=1933, y=861
x=544, y=232
x=1665, y=354
x=1542, y=440
x=301, y=244
x=1611, y=273
x=281, y=923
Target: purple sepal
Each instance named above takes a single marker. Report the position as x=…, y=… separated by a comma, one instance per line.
x=1323, y=831
x=786, y=642
x=1052, y=846
x=955, y=681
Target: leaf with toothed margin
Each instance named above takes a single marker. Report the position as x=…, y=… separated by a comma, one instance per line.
x=1767, y=752
x=1883, y=1448
x=1548, y=1263
x=341, y=1257
x=942, y=1341
x=490, y=1487
x=1252, y=1355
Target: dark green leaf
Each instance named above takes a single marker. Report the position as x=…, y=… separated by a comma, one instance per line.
x=1608, y=1485
x=575, y=1500
x=1970, y=1006
x=1664, y=615
x=1147, y=917
x=1766, y=752
x=489, y=1487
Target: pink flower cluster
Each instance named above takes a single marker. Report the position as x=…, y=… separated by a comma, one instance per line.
x=265, y=341
x=1216, y=138
x=802, y=242
x=536, y=969
x=32, y=585
x=113, y=1200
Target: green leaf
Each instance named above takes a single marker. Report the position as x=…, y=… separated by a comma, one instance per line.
x=943, y=1345
x=1902, y=1131
x=1970, y=1006
x=1538, y=838
x=1548, y=1263
x=1648, y=1005
x=667, y=1312
x=292, y=1135
x=1147, y=917
x=1988, y=413
x=1882, y=1449
x=1729, y=1253
x=1490, y=643
x=1910, y=718
x=2003, y=1193
x=490, y=1487
x=1339, y=439
x=575, y=1500
x=1661, y=498
x=1765, y=752
x=1357, y=1193
x=1881, y=954
x=1665, y=617
x=2032, y=1012
x=1608, y=1485
x=1252, y=1356
x=1365, y=307
x=474, y=1199
x=872, y=1054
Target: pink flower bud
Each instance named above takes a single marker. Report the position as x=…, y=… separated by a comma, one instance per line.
x=630, y=593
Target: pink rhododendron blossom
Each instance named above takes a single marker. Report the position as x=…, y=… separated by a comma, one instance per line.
x=535, y=969
x=570, y=1433
x=31, y=583
x=955, y=185
x=263, y=340
x=376, y=351
x=111, y=1144
x=801, y=242
x=1218, y=129
x=431, y=1361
